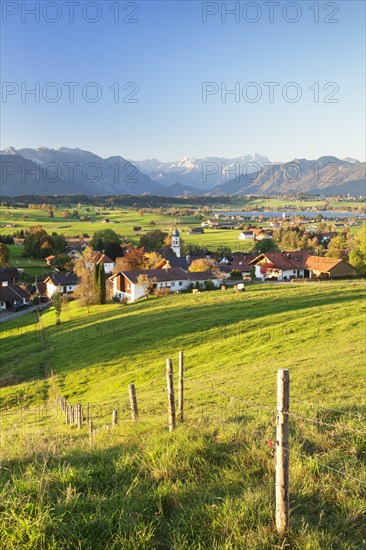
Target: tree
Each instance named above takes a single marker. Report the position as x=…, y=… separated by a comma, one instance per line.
x=337, y=248
x=357, y=256
x=85, y=290
x=96, y=278
x=102, y=237
x=134, y=259
x=153, y=259
x=153, y=240
x=4, y=255
x=102, y=285
x=113, y=250
x=63, y=262
x=57, y=302
x=203, y=264
x=265, y=245
x=51, y=214
x=147, y=283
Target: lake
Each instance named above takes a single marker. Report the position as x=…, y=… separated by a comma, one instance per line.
x=273, y=214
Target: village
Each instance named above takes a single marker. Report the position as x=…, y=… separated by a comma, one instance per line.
x=135, y=273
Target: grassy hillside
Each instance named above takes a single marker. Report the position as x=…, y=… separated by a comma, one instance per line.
x=211, y=483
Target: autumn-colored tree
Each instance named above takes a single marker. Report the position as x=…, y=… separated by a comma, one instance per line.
x=153, y=259
x=337, y=247
x=203, y=264
x=147, y=283
x=85, y=290
x=134, y=259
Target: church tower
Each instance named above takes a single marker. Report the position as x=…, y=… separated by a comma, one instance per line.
x=176, y=242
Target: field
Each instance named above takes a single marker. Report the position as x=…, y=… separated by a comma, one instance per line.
x=210, y=484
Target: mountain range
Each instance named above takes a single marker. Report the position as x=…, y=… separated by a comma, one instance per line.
x=66, y=171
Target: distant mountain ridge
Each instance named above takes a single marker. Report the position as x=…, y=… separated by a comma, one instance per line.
x=66, y=171
x=327, y=175
x=202, y=173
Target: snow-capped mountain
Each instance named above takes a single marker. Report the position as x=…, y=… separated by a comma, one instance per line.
x=202, y=173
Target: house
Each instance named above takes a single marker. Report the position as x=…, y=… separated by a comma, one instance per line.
x=195, y=231
x=173, y=279
x=40, y=289
x=329, y=267
x=12, y=296
x=246, y=236
x=239, y=262
x=100, y=258
x=280, y=266
x=284, y=266
x=9, y=275
x=65, y=283
x=49, y=259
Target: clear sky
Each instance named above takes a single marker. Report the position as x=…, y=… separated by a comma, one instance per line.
x=168, y=50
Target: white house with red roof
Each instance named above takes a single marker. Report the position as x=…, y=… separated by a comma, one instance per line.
x=100, y=258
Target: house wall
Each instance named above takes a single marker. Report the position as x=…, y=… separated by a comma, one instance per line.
x=342, y=270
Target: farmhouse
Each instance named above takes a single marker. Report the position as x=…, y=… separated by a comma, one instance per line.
x=64, y=283
x=12, y=296
x=9, y=275
x=100, y=258
x=239, y=262
x=246, y=236
x=174, y=279
x=284, y=266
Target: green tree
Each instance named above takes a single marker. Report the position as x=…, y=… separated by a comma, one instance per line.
x=102, y=237
x=96, y=278
x=102, y=285
x=357, y=255
x=57, y=302
x=265, y=245
x=4, y=255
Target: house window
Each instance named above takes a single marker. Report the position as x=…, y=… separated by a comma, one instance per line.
x=180, y=283
x=173, y=284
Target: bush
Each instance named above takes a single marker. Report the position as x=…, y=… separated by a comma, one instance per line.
x=36, y=300
x=209, y=285
x=236, y=274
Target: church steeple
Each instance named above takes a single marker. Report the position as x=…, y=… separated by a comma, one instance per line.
x=176, y=242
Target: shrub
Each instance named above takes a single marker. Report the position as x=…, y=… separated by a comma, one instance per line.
x=235, y=274
x=209, y=285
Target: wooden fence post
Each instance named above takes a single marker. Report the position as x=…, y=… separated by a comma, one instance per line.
x=181, y=386
x=170, y=390
x=91, y=432
x=133, y=402
x=71, y=414
x=282, y=451
x=67, y=414
x=80, y=416
x=114, y=417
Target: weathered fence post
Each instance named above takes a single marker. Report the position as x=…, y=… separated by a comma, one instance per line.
x=71, y=414
x=180, y=385
x=80, y=416
x=67, y=414
x=114, y=417
x=133, y=402
x=87, y=412
x=170, y=390
x=90, y=426
x=282, y=451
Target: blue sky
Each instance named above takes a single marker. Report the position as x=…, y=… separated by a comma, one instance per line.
x=169, y=52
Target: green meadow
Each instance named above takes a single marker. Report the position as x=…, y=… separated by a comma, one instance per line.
x=210, y=484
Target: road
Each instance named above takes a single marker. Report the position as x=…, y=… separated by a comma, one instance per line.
x=9, y=315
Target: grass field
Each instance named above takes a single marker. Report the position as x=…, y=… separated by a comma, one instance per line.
x=211, y=483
